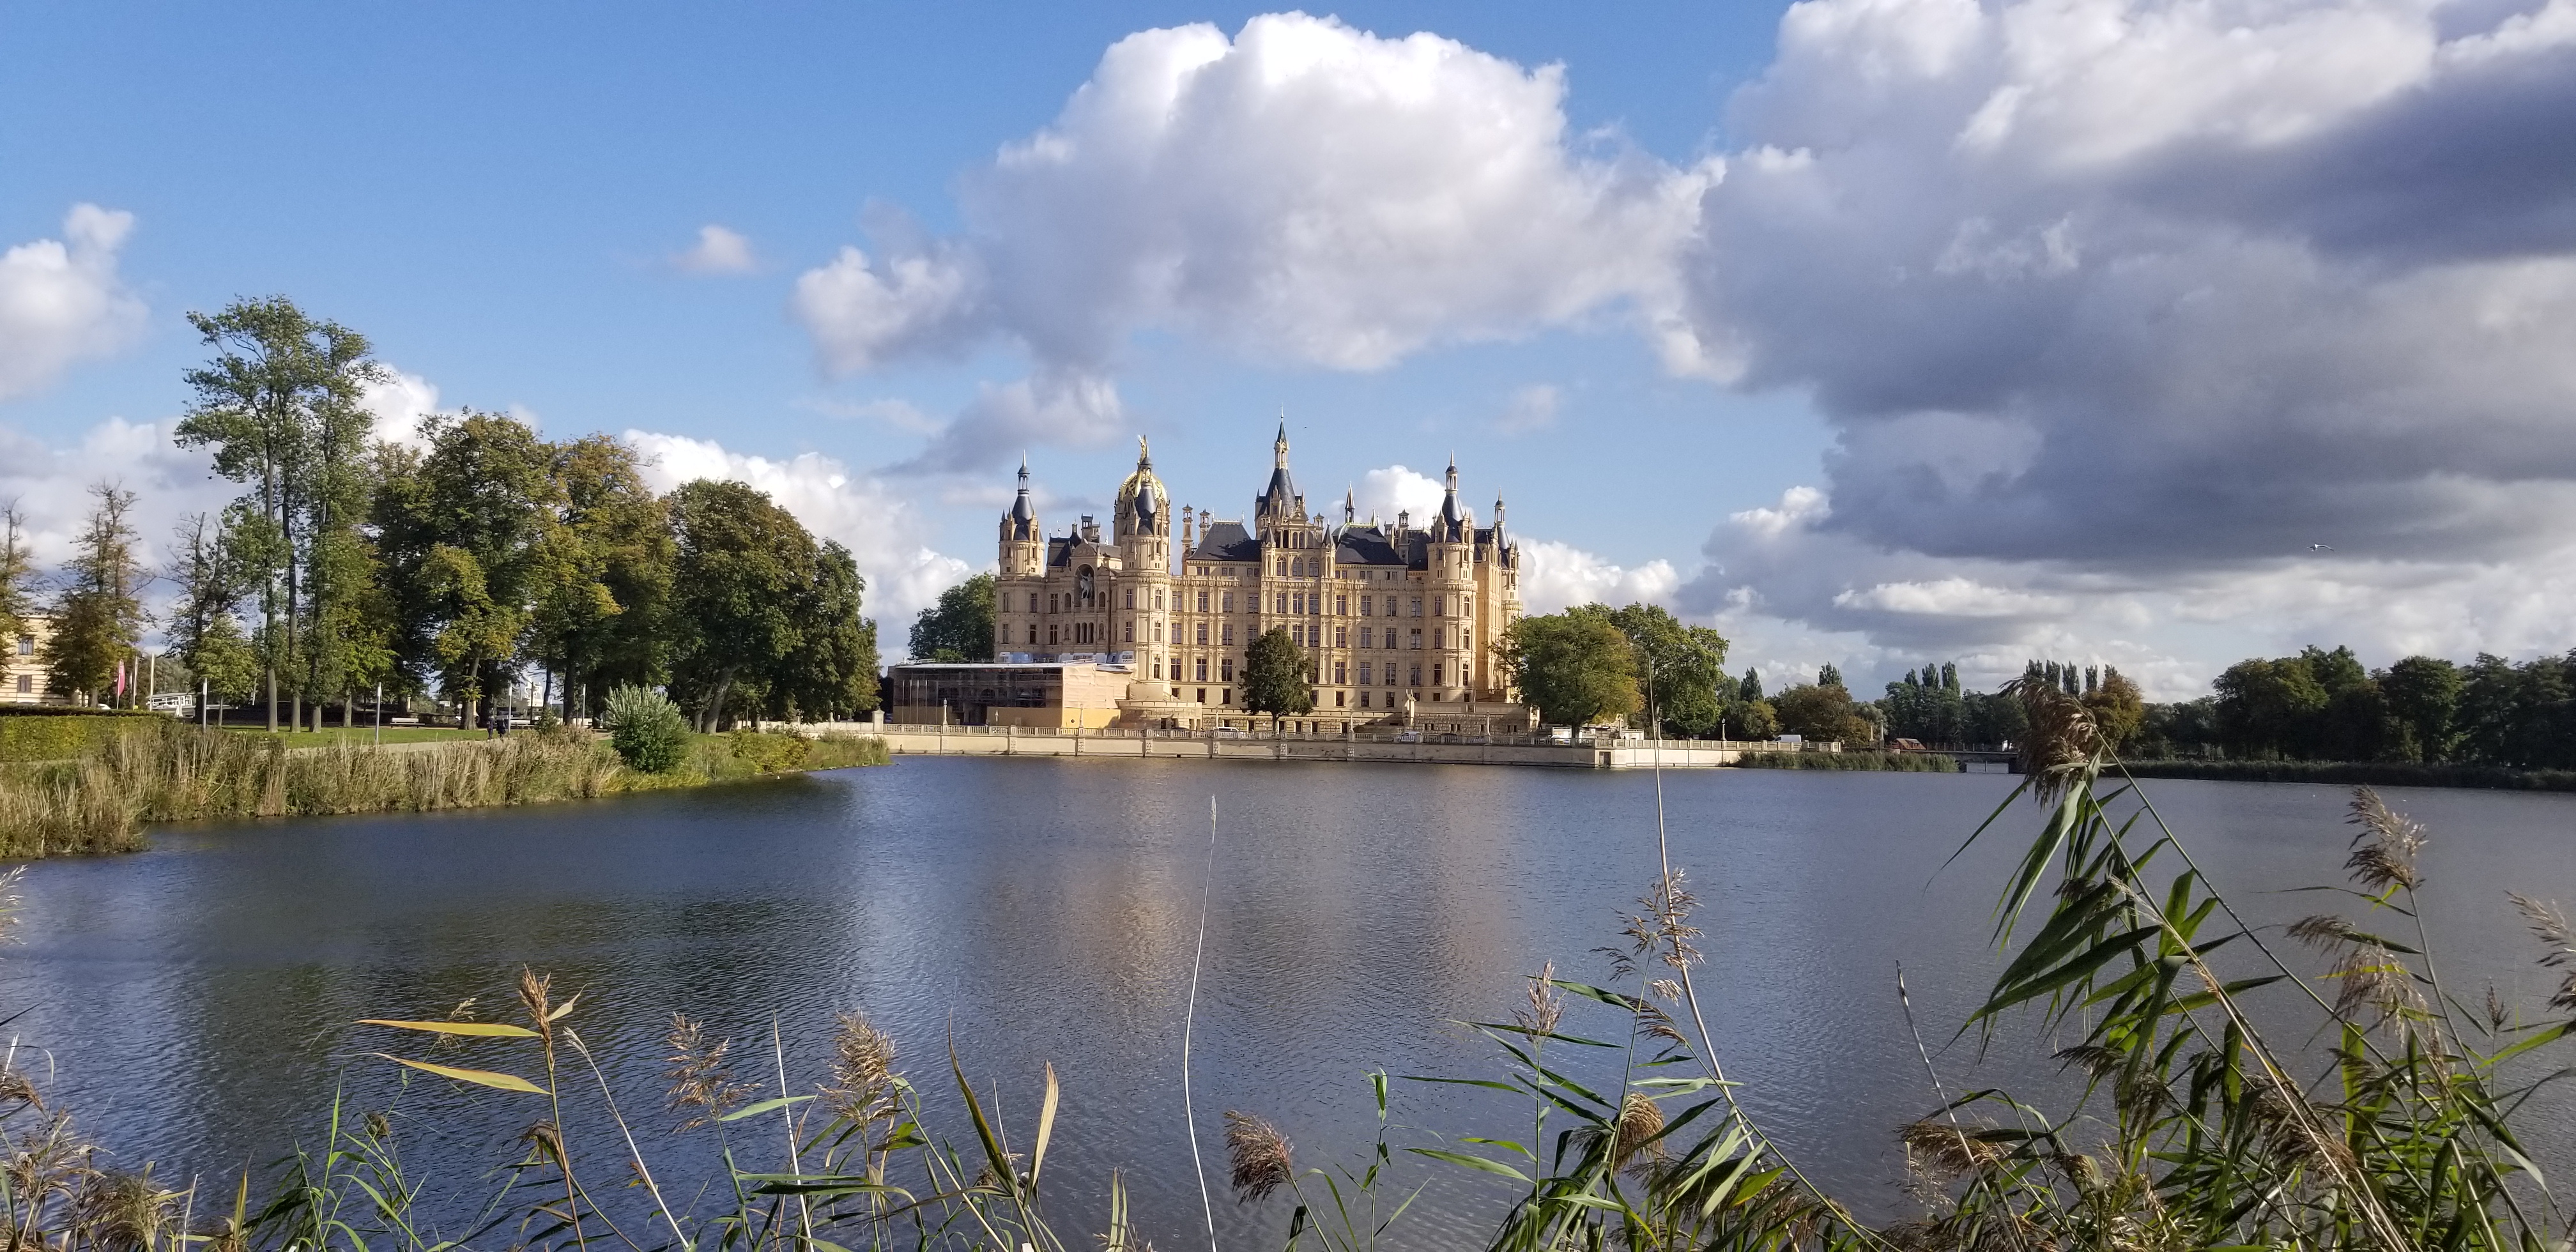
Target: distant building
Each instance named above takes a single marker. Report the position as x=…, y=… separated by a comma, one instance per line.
x=22, y=670
x=1392, y=617
x=1051, y=695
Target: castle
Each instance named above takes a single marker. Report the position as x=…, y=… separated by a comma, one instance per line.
x=1391, y=616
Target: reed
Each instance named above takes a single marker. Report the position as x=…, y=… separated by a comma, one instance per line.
x=2357, y=1105
x=164, y=771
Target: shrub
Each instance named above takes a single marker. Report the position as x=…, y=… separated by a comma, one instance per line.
x=768, y=753
x=647, y=730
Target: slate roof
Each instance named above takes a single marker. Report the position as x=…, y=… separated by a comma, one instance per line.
x=1226, y=541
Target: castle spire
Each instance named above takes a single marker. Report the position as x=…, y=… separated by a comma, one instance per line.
x=1279, y=446
x=1350, y=506
x=1144, y=454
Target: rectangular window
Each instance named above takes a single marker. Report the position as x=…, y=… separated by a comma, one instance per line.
x=1033, y=632
x=1341, y=636
x=1416, y=680
x=1229, y=634
x=1297, y=635
x=1437, y=604
x=1202, y=676
x=1368, y=638
x=1368, y=606
x=1201, y=667
x=1226, y=695
x=1340, y=698
x=1367, y=676
x=1414, y=640
x=1131, y=632
x=1229, y=602
x=1158, y=599
x=1364, y=696
x=1435, y=638
x=1052, y=597
x=1341, y=671
x=1203, y=602
x=1131, y=597
x=1300, y=603
x=1341, y=606
x=1225, y=670
x=1050, y=635
x=1435, y=673
x=1203, y=634
x=26, y=684
x=1158, y=632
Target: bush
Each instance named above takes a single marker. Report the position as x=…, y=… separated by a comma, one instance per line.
x=52, y=733
x=768, y=753
x=647, y=730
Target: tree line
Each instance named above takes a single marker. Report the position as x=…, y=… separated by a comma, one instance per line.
x=452, y=567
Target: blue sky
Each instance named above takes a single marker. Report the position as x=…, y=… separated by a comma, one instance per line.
x=501, y=197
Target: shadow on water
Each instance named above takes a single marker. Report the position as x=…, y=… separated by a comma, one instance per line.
x=197, y=999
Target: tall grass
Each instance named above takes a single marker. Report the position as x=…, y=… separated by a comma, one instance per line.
x=167, y=771
x=2358, y=1105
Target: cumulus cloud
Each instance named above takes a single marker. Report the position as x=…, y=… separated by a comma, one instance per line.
x=61, y=300
x=1383, y=493
x=2118, y=305
x=1302, y=193
x=718, y=251
x=1556, y=576
x=1073, y=409
x=51, y=485
x=885, y=534
x=399, y=403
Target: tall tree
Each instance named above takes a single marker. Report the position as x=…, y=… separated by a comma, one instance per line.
x=744, y=566
x=17, y=575
x=959, y=627
x=1751, y=688
x=98, y=615
x=603, y=581
x=279, y=404
x=1684, y=665
x=1822, y=712
x=1829, y=677
x=204, y=629
x=458, y=529
x=2423, y=699
x=1577, y=667
x=834, y=670
x=2118, y=709
x=1274, y=677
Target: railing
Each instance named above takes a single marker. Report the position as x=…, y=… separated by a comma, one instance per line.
x=1267, y=735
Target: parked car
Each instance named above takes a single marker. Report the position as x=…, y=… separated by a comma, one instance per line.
x=1408, y=736
x=1227, y=732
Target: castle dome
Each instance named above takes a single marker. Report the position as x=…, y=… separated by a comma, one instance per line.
x=1142, y=505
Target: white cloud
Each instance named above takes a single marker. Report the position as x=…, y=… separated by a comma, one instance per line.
x=1383, y=493
x=51, y=485
x=718, y=251
x=1556, y=576
x=1949, y=597
x=1065, y=408
x=1532, y=408
x=399, y=404
x=1303, y=192
x=885, y=535
x=61, y=300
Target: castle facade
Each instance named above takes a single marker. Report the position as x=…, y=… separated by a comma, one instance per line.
x=1391, y=617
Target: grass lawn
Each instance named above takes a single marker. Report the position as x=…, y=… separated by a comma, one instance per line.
x=362, y=734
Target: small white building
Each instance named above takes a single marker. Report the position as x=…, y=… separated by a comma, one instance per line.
x=22, y=671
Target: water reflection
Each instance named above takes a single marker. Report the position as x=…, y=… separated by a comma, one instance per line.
x=199, y=997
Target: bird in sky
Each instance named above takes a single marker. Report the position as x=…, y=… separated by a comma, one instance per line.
x=2318, y=547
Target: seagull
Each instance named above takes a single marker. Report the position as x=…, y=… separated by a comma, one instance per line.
x=2318, y=547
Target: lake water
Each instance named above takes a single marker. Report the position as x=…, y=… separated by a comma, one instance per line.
x=196, y=1000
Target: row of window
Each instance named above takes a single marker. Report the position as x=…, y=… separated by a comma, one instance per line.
x=1370, y=673
x=1295, y=603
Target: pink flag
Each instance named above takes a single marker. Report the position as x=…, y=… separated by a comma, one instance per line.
x=120, y=678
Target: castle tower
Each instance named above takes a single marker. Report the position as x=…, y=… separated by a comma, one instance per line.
x=1141, y=604
x=1023, y=541
x=1278, y=507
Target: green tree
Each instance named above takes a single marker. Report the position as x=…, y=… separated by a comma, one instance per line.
x=1822, y=712
x=1749, y=719
x=1577, y=667
x=459, y=529
x=959, y=627
x=1685, y=667
x=1829, y=677
x=2423, y=701
x=1274, y=677
x=1751, y=688
x=2119, y=712
x=17, y=575
x=603, y=565
x=741, y=579
x=205, y=630
x=279, y=406
x=98, y=615
x=834, y=671
x=2265, y=707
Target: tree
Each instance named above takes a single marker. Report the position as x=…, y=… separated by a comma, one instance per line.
x=1685, y=667
x=460, y=529
x=2423, y=701
x=835, y=671
x=603, y=573
x=2264, y=707
x=1274, y=676
x=743, y=571
x=98, y=616
x=1749, y=719
x=1577, y=667
x=279, y=404
x=1821, y=712
x=1751, y=688
x=959, y=627
x=17, y=575
x=1829, y=677
x=2118, y=710
x=204, y=629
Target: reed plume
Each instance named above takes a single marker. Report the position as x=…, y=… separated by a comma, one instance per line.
x=1261, y=1156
